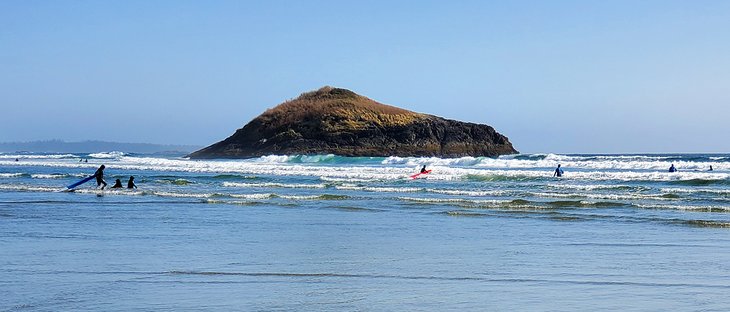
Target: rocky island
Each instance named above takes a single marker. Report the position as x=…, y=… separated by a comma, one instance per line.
x=341, y=122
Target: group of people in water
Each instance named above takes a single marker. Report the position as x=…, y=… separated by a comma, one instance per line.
x=672, y=168
x=99, y=175
x=559, y=171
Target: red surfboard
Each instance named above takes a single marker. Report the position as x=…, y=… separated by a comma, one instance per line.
x=420, y=173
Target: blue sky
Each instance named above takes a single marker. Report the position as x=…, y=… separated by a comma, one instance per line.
x=554, y=76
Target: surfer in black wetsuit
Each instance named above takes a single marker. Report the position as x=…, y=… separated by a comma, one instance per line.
x=423, y=170
x=558, y=172
x=99, y=174
x=710, y=168
x=117, y=184
x=672, y=168
x=130, y=183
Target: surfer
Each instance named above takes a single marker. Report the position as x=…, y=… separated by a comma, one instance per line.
x=130, y=183
x=672, y=168
x=710, y=168
x=117, y=184
x=17, y=160
x=99, y=175
x=423, y=170
x=558, y=172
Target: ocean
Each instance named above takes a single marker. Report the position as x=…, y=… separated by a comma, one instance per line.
x=330, y=233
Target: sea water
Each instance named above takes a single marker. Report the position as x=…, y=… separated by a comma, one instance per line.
x=329, y=233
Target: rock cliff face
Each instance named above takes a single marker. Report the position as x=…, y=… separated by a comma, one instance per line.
x=341, y=122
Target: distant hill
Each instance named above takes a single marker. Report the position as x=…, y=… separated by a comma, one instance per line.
x=339, y=121
x=58, y=146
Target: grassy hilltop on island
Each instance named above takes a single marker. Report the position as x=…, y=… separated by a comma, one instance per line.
x=339, y=121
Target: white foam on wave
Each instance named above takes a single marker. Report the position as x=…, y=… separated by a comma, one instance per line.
x=315, y=158
x=468, y=193
x=591, y=187
x=379, y=189
x=257, y=168
x=273, y=184
x=254, y=196
x=274, y=159
x=591, y=175
x=696, y=190
x=601, y=196
x=30, y=188
x=49, y=176
x=647, y=176
x=604, y=162
x=184, y=195
x=685, y=207
x=110, y=191
x=300, y=197
x=50, y=156
x=107, y=155
x=11, y=175
x=135, y=192
x=351, y=180
x=417, y=162
x=455, y=200
x=179, y=181
x=353, y=173
x=294, y=158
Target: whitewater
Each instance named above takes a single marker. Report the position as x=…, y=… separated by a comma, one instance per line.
x=325, y=232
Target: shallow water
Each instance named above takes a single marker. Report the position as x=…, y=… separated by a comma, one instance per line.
x=617, y=232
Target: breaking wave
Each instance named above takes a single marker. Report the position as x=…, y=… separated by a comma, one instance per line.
x=107, y=155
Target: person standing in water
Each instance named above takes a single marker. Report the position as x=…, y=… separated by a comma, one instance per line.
x=130, y=183
x=558, y=172
x=99, y=174
x=117, y=184
x=672, y=168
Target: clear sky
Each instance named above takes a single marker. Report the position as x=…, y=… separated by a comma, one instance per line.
x=554, y=76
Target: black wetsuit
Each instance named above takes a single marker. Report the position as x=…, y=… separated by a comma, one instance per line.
x=99, y=174
x=130, y=184
x=117, y=184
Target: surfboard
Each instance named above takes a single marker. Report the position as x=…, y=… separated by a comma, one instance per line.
x=420, y=173
x=80, y=182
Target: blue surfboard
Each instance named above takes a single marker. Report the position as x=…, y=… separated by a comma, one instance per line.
x=80, y=182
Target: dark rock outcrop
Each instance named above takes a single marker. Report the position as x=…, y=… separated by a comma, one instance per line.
x=341, y=122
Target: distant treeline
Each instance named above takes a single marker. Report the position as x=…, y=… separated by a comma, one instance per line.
x=58, y=146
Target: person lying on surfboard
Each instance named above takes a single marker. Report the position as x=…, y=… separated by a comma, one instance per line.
x=423, y=172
